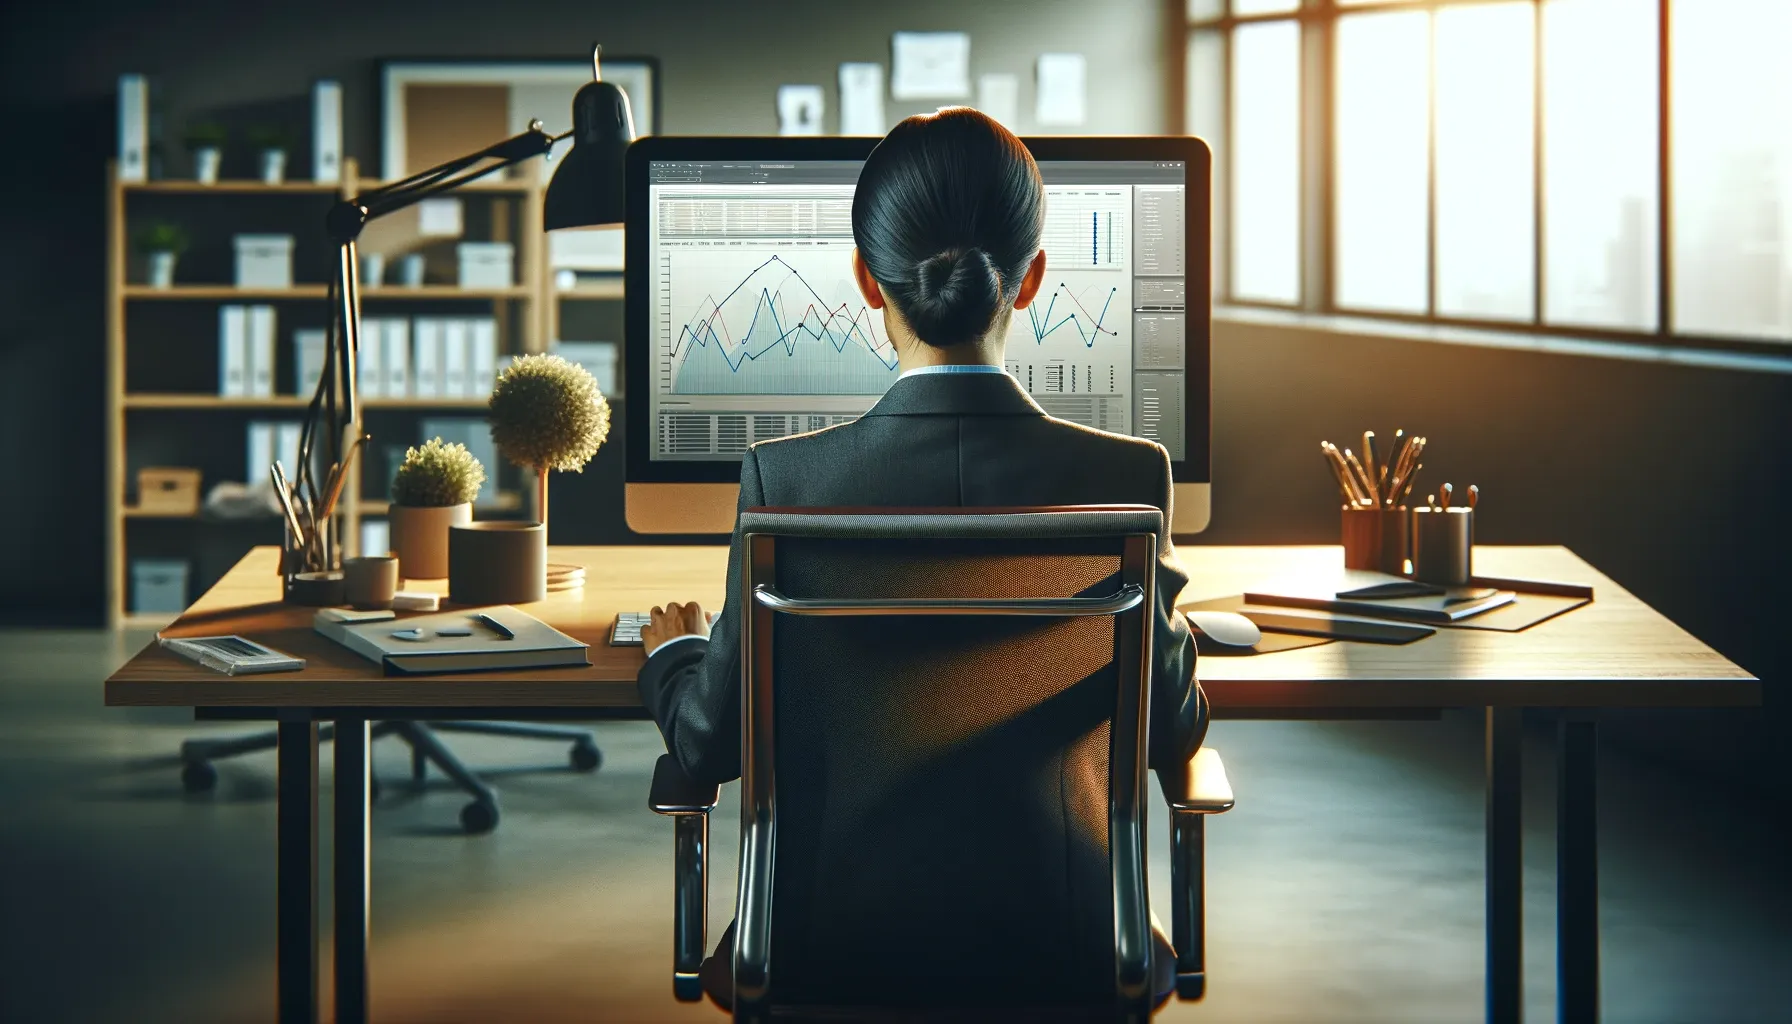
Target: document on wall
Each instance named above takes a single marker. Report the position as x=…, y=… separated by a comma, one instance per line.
x=999, y=97
x=930, y=65
x=1062, y=81
x=799, y=109
x=861, y=99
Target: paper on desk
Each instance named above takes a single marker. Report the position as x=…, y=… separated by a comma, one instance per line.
x=1060, y=94
x=930, y=65
x=861, y=99
x=799, y=109
x=999, y=97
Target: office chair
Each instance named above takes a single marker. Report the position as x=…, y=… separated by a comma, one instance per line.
x=920, y=692
x=199, y=775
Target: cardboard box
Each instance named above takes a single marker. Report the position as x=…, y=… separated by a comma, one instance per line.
x=486, y=264
x=263, y=261
x=172, y=490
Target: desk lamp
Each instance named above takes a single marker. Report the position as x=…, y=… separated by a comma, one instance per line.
x=586, y=191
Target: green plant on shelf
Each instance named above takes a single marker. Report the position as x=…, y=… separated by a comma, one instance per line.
x=437, y=474
x=205, y=135
x=161, y=237
x=268, y=136
x=548, y=414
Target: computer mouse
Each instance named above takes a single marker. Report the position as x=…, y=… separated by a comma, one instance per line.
x=1228, y=629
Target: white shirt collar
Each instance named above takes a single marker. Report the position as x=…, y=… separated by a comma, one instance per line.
x=952, y=368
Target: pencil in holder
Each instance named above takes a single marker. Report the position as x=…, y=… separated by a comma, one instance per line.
x=1375, y=538
x=1443, y=545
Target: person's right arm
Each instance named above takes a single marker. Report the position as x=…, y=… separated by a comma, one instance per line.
x=692, y=687
x=1179, y=710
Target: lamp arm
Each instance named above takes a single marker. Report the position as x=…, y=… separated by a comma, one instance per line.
x=348, y=217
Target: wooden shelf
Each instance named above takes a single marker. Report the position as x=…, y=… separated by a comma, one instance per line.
x=238, y=187
x=153, y=400
x=146, y=620
x=507, y=501
x=445, y=291
x=601, y=288
x=133, y=512
x=224, y=291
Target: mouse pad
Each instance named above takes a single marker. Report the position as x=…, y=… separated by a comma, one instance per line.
x=1271, y=643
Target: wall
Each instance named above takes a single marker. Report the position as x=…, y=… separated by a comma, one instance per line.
x=721, y=64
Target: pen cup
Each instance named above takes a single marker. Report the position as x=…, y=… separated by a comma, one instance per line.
x=370, y=582
x=1375, y=538
x=1443, y=542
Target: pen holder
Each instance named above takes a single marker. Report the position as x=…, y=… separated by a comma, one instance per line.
x=1443, y=542
x=1375, y=538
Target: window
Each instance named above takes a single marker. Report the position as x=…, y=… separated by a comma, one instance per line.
x=1503, y=162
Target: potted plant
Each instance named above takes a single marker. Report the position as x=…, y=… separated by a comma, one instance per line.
x=206, y=141
x=161, y=244
x=546, y=414
x=433, y=490
x=271, y=142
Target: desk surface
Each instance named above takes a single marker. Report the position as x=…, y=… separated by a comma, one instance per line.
x=1615, y=652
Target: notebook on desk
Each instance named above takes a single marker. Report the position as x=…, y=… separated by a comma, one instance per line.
x=468, y=640
x=1378, y=595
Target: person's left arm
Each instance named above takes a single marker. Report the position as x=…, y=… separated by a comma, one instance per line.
x=1179, y=710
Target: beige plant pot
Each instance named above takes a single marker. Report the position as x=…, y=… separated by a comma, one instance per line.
x=497, y=563
x=420, y=538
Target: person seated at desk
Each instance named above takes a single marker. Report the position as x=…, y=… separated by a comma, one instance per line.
x=947, y=219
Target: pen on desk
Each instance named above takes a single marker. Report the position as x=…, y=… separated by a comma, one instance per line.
x=1431, y=502
x=1337, y=473
x=1351, y=491
x=1362, y=478
x=1370, y=474
x=1474, y=495
x=496, y=626
x=1444, y=493
x=1389, y=462
x=292, y=517
x=1411, y=478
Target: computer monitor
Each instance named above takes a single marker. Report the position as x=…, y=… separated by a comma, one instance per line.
x=743, y=322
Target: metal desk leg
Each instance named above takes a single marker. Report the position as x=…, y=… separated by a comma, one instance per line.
x=295, y=902
x=1505, y=867
x=352, y=783
x=1577, y=872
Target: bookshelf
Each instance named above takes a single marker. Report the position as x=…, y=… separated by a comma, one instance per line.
x=148, y=423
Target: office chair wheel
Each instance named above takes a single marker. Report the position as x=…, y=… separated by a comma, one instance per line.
x=586, y=757
x=198, y=776
x=479, y=817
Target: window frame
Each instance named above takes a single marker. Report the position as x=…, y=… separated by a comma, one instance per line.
x=1317, y=213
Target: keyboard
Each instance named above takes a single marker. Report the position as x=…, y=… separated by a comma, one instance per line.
x=627, y=630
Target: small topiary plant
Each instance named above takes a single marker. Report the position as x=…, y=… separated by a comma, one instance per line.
x=547, y=414
x=437, y=474
x=269, y=136
x=205, y=135
x=162, y=237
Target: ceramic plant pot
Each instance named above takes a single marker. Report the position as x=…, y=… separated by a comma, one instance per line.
x=497, y=563
x=161, y=269
x=420, y=537
x=205, y=164
x=273, y=166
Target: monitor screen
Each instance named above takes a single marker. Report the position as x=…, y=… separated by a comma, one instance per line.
x=757, y=331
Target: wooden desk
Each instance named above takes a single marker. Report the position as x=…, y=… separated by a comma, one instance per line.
x=1616, y=652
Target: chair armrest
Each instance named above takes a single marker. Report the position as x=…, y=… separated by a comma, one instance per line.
x=1198, y=787
x=673, y=792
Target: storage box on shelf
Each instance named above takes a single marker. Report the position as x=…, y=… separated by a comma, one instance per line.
x=211, y=425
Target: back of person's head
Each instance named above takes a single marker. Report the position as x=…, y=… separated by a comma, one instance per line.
x=947, y=218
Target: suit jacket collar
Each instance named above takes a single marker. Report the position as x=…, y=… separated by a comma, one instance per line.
x=956, y=394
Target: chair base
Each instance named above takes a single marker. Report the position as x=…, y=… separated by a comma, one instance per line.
x=198, y=774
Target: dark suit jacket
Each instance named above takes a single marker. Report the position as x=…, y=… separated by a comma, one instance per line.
x=933, y=440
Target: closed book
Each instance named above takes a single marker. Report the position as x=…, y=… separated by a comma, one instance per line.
x=484, y=367
x=133, y=128
x=261, y=452
x=454, y=358
x=472, y=644
x=233, y=351
x=326, y=131
x=1348, y=592
x=370, y=373
x=286, y=448
x=261, y=351
x=426, y=358
x=308, y=350
x=396, y=357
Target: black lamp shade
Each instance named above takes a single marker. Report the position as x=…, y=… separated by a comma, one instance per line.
x=587, y=190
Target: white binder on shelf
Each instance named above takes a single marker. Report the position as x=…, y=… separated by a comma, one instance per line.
x=261, y=452
x=286, y=449
x=370, y=371
x=233, y=351
x=426, y=361
x=133, y=128
x=326, y=131
x=261, y=351
x=484, y=363
x=455, y=358
x=308, y=360
x=396, y=342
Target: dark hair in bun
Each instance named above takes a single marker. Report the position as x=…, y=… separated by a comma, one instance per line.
x=947, y=217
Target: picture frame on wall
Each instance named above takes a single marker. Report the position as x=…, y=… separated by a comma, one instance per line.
x=436, y=110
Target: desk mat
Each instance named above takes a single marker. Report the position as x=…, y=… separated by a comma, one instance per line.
x=1271, y=643
x=1525, y=611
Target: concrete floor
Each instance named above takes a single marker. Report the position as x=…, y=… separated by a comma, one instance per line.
x=1345, y=887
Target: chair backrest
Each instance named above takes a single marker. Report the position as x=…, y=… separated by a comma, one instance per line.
x=943, y=756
